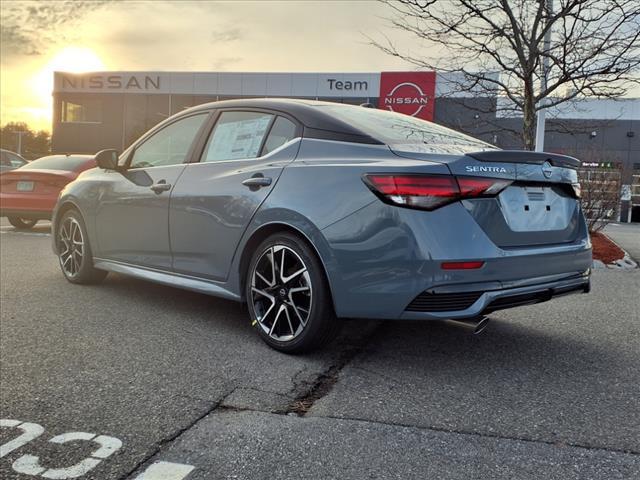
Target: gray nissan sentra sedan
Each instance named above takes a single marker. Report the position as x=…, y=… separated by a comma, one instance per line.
x=311, y=211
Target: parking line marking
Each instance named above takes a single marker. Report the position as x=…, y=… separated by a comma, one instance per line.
x=28, y=234
x=166, y=471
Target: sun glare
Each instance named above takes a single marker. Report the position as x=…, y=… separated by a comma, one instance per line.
x=70, y=59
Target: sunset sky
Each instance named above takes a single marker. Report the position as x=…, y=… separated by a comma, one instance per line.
x=42, y=36
x=38, y=37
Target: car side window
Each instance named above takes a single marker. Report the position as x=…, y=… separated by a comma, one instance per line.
x=281, y=132
x=15, y=161
x=170, y=145
x=237, y=135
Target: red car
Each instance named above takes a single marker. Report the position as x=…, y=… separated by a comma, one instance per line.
x=29, y=193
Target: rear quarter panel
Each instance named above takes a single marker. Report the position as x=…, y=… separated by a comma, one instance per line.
x=322, y=187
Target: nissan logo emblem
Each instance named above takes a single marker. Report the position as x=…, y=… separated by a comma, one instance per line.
x=413, y=98
x=547, y=170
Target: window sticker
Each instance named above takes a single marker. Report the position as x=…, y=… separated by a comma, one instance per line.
x=237, y=139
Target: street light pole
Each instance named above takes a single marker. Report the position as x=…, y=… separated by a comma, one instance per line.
x=20, y=134
x=540, y=125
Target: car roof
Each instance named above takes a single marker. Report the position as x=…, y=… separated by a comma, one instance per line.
x=301, y=106
x=9, y=151
x=303, y=110
x=68, y=155
x=84, y=159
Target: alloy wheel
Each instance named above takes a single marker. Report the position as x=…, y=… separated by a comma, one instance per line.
x=70, y=246
x=281, y=293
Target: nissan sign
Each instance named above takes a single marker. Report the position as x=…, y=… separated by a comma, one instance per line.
x=115, y=81
x=411, y=93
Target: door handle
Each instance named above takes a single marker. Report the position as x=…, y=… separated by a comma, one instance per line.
x=161, y=186
x=257, y=182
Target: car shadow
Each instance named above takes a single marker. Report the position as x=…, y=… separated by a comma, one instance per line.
x=171, y=299
x=215, y=315
x=521, y=343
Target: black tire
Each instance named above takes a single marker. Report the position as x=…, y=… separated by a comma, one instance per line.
x=76, y=262
x=22, y=223
x=320, y=325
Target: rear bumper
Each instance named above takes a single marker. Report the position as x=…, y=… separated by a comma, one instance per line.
x=469, y=301
x=27, y=205
x=395, y=255
x=26, y=214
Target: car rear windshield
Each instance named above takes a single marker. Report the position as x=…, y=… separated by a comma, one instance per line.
x=56, y=162
x=406, y=132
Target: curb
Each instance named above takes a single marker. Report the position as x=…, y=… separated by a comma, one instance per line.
x=626, y=263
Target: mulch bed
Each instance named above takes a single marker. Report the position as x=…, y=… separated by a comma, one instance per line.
x=604, y=249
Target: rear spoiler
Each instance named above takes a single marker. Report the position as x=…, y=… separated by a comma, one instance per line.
x=526, y=156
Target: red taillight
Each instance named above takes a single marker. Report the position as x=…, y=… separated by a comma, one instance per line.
x=477, y=187
x=461, y=265
x=431, y=191
x=418, y=191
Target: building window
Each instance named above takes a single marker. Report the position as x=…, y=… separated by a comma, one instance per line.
x=85, y=111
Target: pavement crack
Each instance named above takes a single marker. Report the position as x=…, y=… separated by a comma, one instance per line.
x=174, y=436
x=325, y=381
x=318, y=389
x=496, y=436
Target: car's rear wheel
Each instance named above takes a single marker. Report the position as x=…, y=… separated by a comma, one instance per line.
x=22, y=223
x=288, y=295
x=74, y=251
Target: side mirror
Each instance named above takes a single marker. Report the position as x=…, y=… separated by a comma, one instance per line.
x=107, y=159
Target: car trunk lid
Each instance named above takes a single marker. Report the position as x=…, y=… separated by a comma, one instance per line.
x=538, y=208
x=35, y=181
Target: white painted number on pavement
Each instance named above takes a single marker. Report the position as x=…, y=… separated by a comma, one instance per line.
x=30, y=431
x=30, y=464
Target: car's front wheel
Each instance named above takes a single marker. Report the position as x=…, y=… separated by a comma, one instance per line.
x=288, y=295
x=74, y=251
x=22, y=223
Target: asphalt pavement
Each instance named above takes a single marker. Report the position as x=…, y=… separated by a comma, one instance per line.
x=627, y=236
x=175, y=385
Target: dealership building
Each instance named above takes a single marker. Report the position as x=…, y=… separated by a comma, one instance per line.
x=100, y=110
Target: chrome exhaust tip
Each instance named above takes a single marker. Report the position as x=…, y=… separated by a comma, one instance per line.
x=474, y=325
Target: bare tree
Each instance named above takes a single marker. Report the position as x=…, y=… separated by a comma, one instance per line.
x=600, y=182
x=498, y=47
x=600, y=196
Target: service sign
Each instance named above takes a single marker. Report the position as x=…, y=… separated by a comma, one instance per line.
x=411, y=93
